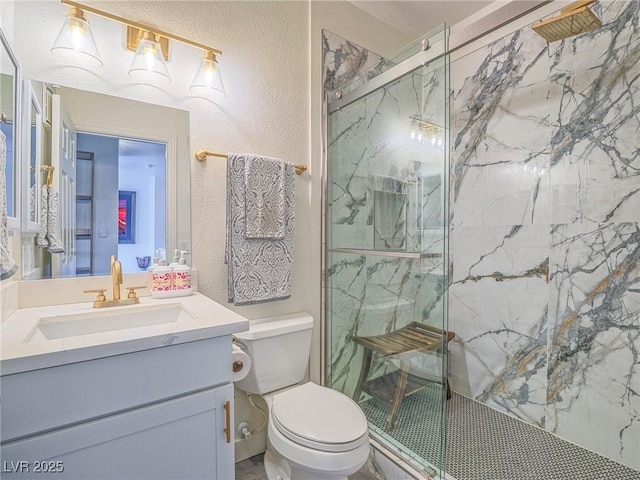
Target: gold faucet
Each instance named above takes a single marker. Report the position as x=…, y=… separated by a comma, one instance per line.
x=116, y=279
x=116, y=276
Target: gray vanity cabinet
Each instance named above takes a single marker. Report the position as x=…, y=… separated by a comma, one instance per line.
x=163, y=413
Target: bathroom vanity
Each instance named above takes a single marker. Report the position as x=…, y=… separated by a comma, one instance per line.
x=140, y=391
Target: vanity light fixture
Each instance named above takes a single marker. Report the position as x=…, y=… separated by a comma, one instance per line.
x=425, y=132
x=152, y=50
x=148, y=63
x=75, y=41
x=208, y=78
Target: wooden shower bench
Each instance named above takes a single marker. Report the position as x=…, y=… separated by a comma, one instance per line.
x=416, y=338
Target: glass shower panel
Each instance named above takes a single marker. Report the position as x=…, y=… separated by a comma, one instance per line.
x=406, y=52
x=386, y=257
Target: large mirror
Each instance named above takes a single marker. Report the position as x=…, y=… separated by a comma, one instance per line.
x=121, y=156
x=122, y=179
x=10, y=127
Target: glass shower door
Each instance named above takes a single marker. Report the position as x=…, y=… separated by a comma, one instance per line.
x=386, y=251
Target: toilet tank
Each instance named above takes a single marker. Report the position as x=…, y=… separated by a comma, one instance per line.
x=279, y=348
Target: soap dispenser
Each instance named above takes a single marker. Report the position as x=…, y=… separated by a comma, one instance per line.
x=176, y=259
x=161, y=279
x=156, y=262
x=174, y=264
x=182, y=276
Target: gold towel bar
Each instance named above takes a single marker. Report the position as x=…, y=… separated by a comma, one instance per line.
x=201, y=155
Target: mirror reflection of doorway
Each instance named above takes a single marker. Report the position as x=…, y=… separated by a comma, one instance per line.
x=6, y=127
x=110, y=169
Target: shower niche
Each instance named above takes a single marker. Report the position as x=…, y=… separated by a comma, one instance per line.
x=389, y=220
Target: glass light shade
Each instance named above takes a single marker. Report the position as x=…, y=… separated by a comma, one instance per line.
x=75, y=42
x=208, y=78
x=148, y=63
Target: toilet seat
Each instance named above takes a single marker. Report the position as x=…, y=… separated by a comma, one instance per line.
x=319, y=418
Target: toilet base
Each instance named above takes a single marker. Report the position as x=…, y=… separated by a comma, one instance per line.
x=277, y=468
x=296, y=462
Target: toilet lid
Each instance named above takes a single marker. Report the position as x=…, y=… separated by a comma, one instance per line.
x=319, y=418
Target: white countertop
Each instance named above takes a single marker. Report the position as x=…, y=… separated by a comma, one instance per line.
x=21, y=351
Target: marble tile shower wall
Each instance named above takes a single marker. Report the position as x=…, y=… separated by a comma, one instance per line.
x=346, y=64
x=545, y=205
x=545, y=237
x=377, y=184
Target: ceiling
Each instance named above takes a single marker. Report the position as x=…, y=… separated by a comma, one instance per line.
x=140, y=156
x=419, y=17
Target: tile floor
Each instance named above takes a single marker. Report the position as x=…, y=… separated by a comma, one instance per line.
x=479, y=442
x=484, y=444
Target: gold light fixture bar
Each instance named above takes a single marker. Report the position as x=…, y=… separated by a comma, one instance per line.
x=134, y=35
x=430, y=129
x=141, y=26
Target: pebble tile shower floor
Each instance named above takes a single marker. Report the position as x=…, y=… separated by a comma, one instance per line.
x=484, y=444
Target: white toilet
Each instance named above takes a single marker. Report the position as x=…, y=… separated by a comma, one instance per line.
x=314, y=432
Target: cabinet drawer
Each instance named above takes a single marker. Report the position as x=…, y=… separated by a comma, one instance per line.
x=51, y=398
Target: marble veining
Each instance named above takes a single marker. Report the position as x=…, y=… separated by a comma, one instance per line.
x=500, y=147
x=594, y=141
x=345, y=62
x=385, y=193
x=543, y=210
x=370, y=295
x=545, y=204
x=595, y=336
x=371, y=151
x=498, y=309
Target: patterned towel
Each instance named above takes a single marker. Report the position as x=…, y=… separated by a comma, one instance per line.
x=259, y=269
x=265, y=207
x=49, y=235
x=7, y=265
x=41, y=237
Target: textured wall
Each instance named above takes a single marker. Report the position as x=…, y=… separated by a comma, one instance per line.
x=271, y=67
x=266, y=109
x=267, y=62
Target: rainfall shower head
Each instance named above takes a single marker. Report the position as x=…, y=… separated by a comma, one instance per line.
x=575, y=19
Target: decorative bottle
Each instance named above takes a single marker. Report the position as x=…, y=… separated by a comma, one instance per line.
x=182, y=277
x=161, y=281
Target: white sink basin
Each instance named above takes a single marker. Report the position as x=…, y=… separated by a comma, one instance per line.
x=34, y=338
x=101, y=321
